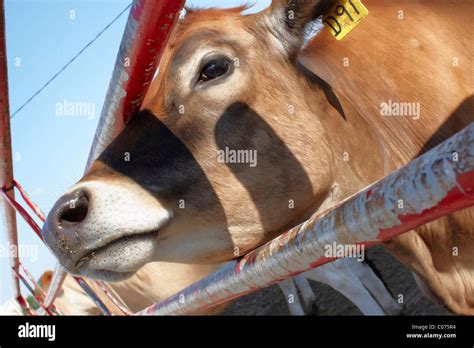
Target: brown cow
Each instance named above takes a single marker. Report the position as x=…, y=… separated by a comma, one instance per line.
x=413, y=52
x=238, y=141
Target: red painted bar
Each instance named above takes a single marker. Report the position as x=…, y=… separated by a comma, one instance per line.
x=6, y=167
x=28, y=201
x=431, y=186
x=91, y=293
x=107, y=292
x=39, y=289
x=33, y=293
x=25, y=307
x=22, y=211
x=58, y=278
x=148, y=28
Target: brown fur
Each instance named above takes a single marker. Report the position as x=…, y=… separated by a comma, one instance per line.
x=411, y=60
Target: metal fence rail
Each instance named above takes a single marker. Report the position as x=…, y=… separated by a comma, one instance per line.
x=433, y=185
x=6, y=167
x=146, y=34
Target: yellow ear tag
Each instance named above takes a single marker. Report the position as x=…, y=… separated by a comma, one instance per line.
x=344, y=17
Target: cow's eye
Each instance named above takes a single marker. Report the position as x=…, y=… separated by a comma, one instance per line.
x=214, y=69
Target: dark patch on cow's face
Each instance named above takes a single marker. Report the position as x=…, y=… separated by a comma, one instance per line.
x=161, y=163
x=326, y=87
x=458, y=120
x=278, y=177
x=168, y=170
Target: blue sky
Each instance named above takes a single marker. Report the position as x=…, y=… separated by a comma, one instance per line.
x=50, y=150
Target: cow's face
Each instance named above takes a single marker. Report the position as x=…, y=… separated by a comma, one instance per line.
x=226, y=152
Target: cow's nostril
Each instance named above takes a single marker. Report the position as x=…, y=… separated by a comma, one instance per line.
x=75, y=210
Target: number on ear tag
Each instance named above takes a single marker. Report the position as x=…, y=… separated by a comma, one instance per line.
x=344, y=17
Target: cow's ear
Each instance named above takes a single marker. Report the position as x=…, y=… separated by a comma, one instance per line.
x=288, y=20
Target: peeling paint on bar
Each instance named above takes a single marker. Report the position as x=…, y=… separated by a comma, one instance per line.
x=58, y=277
x=431, y=186
x=6, y=166
x=91, y=293
x=146, y=33
x=108, y=292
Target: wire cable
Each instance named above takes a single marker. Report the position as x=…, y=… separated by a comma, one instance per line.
x=99, y=34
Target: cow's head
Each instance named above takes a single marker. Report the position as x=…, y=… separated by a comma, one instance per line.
x=228, y=151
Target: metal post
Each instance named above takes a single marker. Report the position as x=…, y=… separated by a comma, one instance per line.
x=58, y=278
x=148, y=28
x=112, y=297
x=29, y=202
x=6, y=168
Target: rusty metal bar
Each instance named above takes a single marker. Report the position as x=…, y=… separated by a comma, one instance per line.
x=144, y=40
x=111, y=296
x=25, y=307
x=33, y=281
x=146, y=34
x=433, y=185
x=91, y=293
x=28, y=201
x=40, y=291
x=47, y=302
x=58, y=278
x=36, y=297
x=22, y=211
x=6, y=167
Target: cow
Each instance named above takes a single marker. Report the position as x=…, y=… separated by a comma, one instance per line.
x=243, y=135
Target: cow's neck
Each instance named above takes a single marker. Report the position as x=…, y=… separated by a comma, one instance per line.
x=359, y=156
